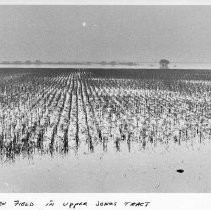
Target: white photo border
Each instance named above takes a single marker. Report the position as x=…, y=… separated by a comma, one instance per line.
x=158, y=201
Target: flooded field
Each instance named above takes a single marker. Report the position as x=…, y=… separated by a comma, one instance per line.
x=90, y=130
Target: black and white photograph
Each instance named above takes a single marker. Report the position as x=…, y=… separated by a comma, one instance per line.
x=105, y=98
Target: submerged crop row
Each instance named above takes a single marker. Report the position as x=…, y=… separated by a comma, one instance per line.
x=80, y=111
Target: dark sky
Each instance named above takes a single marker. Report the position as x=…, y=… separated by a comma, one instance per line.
x=98, y=33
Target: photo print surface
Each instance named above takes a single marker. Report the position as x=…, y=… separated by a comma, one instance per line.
x=105, y=99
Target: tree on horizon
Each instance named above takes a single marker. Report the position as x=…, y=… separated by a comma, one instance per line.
x=164, y=63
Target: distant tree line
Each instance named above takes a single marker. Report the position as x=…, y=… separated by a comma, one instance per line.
x=22, y=62
x=113, y=63
x=164, y=63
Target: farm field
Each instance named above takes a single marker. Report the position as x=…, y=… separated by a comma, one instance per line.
x=92, y=130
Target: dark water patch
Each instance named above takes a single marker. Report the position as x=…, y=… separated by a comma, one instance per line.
x=180, y=171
